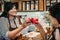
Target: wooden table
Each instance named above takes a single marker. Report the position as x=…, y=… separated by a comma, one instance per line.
x=20, y=37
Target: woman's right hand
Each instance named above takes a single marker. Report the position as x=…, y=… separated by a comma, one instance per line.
x=26, y=23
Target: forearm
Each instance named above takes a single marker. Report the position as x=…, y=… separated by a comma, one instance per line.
x=12, y=34
x=41, y=30
x=57, y=34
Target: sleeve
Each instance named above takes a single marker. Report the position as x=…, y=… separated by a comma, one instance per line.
x=6, y=36
x=57, y=34
x=4, y=28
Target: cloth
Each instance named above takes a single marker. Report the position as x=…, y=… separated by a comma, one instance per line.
x=13, y=25
x=56, y=34
x=28, y=29
x=4, y=27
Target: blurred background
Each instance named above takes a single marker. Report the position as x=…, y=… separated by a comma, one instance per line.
x=32, y=8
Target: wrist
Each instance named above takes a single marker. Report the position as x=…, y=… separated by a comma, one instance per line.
x=22, y=26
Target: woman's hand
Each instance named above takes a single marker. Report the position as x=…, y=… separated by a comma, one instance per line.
x=41, y=30
x=26, y=22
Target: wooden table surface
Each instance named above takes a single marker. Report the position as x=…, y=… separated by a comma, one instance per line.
x=20, y=37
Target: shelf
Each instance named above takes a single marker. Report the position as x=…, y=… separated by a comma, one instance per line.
x=13, y=1
x=30, y=5
x=50, y=3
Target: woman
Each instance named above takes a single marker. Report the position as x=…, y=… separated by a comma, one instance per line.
x=7, y=21
x=55, y=21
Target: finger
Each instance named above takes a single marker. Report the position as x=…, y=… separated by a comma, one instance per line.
x=27, y=20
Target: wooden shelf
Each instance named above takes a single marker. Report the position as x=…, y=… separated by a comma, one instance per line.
x=13, y=1
x=50, y=3
x=37, y=6
x=29, y=0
